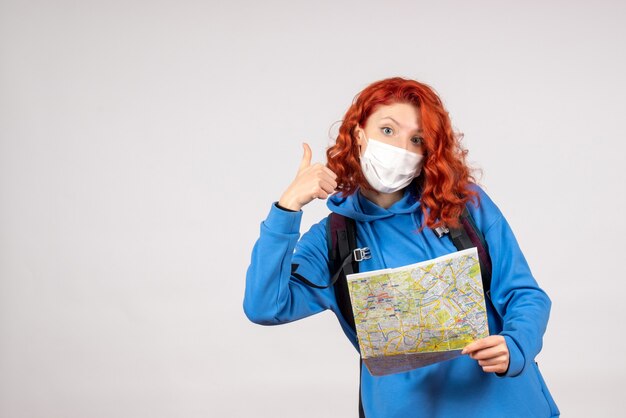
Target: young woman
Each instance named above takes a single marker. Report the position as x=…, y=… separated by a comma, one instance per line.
x=398, y=170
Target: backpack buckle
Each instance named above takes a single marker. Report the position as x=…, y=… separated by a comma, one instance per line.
x=441, y=231
x=362, y=254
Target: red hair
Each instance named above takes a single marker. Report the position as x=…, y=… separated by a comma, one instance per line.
x=445, y=179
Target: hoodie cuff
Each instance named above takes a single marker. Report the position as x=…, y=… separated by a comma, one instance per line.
x=283, y=221
x=516, y=359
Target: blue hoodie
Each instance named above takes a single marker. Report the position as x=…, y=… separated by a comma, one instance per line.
x=453, y=388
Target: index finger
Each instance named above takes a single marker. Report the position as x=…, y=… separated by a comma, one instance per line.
x=330, y=172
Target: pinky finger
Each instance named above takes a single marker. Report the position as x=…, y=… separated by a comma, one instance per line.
x=494, y=369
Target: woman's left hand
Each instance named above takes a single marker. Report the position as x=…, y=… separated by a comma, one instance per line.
x=491, y=352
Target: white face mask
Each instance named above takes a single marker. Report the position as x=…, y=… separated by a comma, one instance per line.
x=388, y=168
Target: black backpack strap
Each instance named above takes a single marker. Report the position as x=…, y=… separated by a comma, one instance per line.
x=361, y=411
x=341, y=236
x=467, y=236
x=343, y=255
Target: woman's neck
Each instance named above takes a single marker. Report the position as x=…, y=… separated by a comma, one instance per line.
x=384, y=200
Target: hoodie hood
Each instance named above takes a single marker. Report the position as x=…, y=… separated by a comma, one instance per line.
x=359, y=208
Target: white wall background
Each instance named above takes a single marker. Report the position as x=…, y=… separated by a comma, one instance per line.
x=142, y=143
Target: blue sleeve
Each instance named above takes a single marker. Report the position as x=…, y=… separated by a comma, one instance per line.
x=523, y=306
x=273, y=296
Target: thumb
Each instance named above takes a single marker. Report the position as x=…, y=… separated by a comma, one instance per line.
x=306, y=158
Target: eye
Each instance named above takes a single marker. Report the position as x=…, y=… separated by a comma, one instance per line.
x=417, y=140
x=387, y=130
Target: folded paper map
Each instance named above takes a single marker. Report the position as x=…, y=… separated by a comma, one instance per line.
x=416, y=315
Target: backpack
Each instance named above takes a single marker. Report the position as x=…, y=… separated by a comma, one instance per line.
x=344, y=256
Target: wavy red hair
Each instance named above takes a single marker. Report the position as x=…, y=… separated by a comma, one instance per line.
x=443, y=185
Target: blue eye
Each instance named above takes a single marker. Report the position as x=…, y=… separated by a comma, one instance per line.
x=387, y=130
x=417, y=140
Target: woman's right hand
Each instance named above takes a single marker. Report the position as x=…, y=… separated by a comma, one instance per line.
x=312, y=182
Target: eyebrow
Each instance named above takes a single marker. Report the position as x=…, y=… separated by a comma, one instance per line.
x=396, y=122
